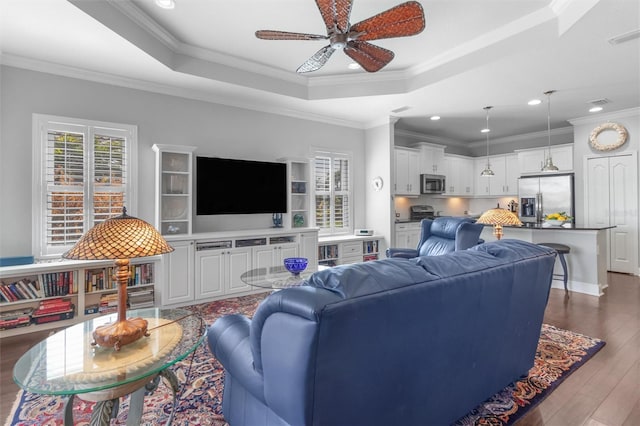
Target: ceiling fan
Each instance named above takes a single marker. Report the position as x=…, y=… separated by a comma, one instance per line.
x=406, y=19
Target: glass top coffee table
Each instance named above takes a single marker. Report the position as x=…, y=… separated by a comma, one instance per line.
x=67, y=364
x=274, y=278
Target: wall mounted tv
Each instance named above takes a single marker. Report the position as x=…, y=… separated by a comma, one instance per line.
x=228, y=186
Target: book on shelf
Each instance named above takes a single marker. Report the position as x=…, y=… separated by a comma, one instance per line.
x=16, y=313
x=15, y=323
x=58, y=316
x=52, y=306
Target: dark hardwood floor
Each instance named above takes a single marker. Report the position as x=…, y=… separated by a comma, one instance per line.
x=604, y=391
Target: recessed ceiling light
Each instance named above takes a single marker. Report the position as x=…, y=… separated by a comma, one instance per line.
x=166, y=4
x=353, y=66
x=485, y=130
x=434, y=118
x=534, y=102
x=595, y=109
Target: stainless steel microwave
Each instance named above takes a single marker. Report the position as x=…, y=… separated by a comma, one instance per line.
x=432, y=184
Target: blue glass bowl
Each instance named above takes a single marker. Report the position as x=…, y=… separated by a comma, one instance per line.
x=295, y=265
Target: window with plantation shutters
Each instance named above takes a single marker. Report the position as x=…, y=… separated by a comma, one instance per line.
x=82, y=176
x=332, y=192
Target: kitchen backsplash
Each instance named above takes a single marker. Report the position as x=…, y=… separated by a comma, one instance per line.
x=449, y=206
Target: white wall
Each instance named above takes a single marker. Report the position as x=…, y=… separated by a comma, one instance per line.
x=216, y=130
x=378, y=207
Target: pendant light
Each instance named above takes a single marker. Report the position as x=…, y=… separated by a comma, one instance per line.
x=487, y=172
x=548, y=163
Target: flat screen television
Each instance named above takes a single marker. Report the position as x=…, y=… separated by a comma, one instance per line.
x=230, y=186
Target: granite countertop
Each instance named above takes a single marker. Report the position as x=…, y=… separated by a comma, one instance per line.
x=565, y=227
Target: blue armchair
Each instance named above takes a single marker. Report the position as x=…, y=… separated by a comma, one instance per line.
x=442, y=235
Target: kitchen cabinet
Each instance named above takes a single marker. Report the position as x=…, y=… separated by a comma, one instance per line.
x=505, y=179
x=407, y=235
x=432, y=159
x=459, y=176
x=531, y=161
x=178, y=268
x=407, y=175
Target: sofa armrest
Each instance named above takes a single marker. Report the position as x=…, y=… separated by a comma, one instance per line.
x=228, y=339
x=405, y=253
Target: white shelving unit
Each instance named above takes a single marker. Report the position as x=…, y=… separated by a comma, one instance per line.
x=174, y=188
x=298, y=191
x=84, y=283
x=347, y=249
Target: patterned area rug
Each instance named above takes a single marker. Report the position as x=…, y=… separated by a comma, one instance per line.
x=560, y=352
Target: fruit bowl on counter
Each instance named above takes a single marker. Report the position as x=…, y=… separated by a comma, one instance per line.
x=557, y=219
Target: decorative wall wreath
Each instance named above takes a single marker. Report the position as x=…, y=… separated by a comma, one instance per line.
x=622, y=136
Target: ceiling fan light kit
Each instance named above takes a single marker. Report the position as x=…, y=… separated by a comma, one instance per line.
x=404, y=20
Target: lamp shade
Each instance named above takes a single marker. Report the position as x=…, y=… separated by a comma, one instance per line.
x=120, y=237
x=497, y=218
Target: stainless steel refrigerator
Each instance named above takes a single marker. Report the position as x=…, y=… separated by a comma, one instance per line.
x=540, y=195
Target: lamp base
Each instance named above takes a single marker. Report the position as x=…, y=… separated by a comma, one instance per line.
x=120, y=333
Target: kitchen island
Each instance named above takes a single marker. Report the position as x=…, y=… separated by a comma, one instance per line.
x=587, y=261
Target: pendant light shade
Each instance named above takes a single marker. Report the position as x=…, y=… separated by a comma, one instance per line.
x=487, y=172
x=548, y=162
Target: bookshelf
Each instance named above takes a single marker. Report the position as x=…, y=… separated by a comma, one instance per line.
x=347, y=249
x=45, y=296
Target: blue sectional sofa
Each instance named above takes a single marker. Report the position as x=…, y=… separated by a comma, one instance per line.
x=391, y=342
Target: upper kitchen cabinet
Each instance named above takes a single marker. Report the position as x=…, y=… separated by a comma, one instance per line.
x=459, y=176
x=531, y=161
x=505, y=179
x=432, y=161
x=407, y=174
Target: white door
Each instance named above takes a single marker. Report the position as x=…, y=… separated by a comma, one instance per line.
x=612, y=200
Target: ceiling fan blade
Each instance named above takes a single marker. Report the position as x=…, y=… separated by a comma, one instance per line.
x=370, y=57
x=317, y=60
x=403, y=20
x=284, y=35
x=335, y=14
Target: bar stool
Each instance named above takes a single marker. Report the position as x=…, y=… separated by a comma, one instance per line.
x=561, y=249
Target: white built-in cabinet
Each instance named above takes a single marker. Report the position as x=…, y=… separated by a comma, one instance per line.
x=505, y=179
x=611, y=199
x=208, y=266
x=178, y=271
x=174, y=189
x=298, y=192
x=459, y=176
x=531, y=161
x=407, y=173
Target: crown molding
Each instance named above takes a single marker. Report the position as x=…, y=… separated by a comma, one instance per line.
x=421, y=137
x=523, y=137
x=180, y=92
x=606, y=116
